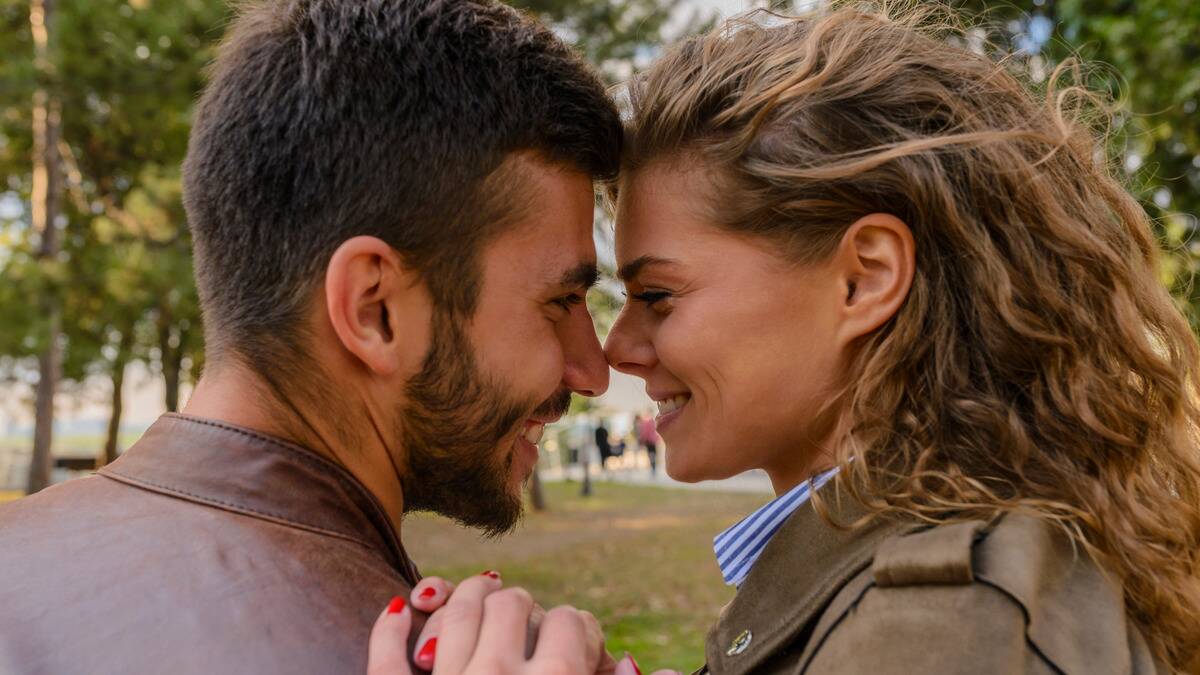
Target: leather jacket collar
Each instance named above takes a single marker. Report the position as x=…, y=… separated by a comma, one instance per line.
x=244, y=471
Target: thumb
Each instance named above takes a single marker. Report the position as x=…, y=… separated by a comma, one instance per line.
x=387, y=651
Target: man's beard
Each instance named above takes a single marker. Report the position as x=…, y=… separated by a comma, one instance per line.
x=451, y=427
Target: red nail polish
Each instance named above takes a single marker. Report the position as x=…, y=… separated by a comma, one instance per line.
x=491, y=573
x=427, y=653
x=633, y=661
x=428, y=593
x=396, y=605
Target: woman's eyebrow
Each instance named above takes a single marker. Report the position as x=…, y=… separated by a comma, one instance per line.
x=631, y=269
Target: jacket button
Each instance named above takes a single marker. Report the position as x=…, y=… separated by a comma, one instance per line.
x=740, y=643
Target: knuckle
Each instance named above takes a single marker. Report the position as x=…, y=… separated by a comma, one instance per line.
x=565, y=620
x=509, y=599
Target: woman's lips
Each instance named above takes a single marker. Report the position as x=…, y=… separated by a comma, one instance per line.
x=669, y=408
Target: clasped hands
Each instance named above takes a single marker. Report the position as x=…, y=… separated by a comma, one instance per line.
x=481, y=628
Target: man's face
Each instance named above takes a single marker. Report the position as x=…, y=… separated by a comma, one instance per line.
x=487, y=388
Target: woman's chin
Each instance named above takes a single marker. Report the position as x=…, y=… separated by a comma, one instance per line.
x=690, y=470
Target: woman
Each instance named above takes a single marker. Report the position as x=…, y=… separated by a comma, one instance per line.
x=861, y=254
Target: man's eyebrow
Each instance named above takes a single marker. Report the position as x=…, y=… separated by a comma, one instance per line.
x=630, y=269
x=583, y=275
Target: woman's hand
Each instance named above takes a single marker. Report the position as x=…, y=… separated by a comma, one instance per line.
x=431, y=595
x=483, y=630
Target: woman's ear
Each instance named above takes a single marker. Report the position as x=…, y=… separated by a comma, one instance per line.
x=875, y=260
x=377, y=305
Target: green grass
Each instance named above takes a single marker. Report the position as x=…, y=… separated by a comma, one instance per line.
x=638, y=558
x=69, y=445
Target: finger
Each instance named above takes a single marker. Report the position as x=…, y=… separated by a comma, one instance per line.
x=423, y=653
x=608, y=665
x=627, y=666
x=595, y=640
x=535, y=623
x=387, y=649
x=562, y=643
x=451, y=650
x=502, y=634
x=430, y=594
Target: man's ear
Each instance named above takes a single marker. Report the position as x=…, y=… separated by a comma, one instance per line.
x=377, y=305
x=875, y=262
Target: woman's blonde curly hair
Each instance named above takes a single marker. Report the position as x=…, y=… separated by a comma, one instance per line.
x=1038, y=364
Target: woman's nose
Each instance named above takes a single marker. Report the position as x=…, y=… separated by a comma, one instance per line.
x=627, y=348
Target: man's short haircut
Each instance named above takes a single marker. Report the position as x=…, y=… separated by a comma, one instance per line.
x=329, y=119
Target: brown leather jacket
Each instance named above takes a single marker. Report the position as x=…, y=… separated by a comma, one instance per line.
x=206, y=548
x=896, y=598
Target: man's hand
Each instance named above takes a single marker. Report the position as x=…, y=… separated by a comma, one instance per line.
x=431, y=596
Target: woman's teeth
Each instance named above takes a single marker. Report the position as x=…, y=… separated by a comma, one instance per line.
x=533, y=432
x=672, y=404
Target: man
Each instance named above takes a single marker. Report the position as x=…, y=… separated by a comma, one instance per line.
x=391, y=204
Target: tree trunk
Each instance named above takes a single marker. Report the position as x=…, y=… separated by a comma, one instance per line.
x=586, y=489
x=171, y=356
x=537, y=496
x=118, y=386
x=45, y=201
x=171, y=368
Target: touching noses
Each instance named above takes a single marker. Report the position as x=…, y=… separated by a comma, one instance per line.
x=627, y=348
x=585, y=371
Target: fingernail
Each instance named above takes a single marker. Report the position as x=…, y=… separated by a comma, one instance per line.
x=396, y=605
x=428, y=592
x=633, y=662
x=491, y=573
x=427, y=653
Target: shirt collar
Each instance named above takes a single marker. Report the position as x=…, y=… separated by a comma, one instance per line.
x=738, y=547
x=244, y=471
x=804, y=566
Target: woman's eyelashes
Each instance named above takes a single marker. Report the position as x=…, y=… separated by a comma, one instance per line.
x=650, y=298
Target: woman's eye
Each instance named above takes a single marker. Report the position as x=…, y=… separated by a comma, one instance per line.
x=650, y=297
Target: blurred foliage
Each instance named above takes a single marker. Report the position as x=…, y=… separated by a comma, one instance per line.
x=618, y=37
x=127, y=73
x=1145, y=55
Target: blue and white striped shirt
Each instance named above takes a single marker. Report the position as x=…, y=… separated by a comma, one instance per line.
x=739, y=546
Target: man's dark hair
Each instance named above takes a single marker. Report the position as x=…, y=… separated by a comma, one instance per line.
x=329, y=119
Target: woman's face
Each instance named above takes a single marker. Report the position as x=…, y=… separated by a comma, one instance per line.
x=739, y=348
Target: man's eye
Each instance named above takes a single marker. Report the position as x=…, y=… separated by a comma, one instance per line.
x=569, y=301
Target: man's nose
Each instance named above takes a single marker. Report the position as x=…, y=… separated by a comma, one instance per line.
x=585, y=371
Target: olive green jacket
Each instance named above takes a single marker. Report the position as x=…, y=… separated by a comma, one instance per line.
x=902, y=598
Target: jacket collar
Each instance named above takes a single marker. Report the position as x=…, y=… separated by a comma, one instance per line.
x=805, y=564
x=244, y=471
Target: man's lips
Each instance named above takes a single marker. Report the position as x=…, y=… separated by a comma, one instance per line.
x=549, y=412
x=534, y=427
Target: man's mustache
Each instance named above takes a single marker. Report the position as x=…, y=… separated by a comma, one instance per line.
x=554, y=407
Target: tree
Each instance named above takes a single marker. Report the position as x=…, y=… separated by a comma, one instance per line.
x=124, y=76
x=45, y=198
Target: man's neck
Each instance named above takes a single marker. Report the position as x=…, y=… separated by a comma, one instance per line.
x=234, y=394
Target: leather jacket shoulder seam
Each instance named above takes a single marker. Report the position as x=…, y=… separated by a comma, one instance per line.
x=335, y=471
x=306, y=457
x=152, y=486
